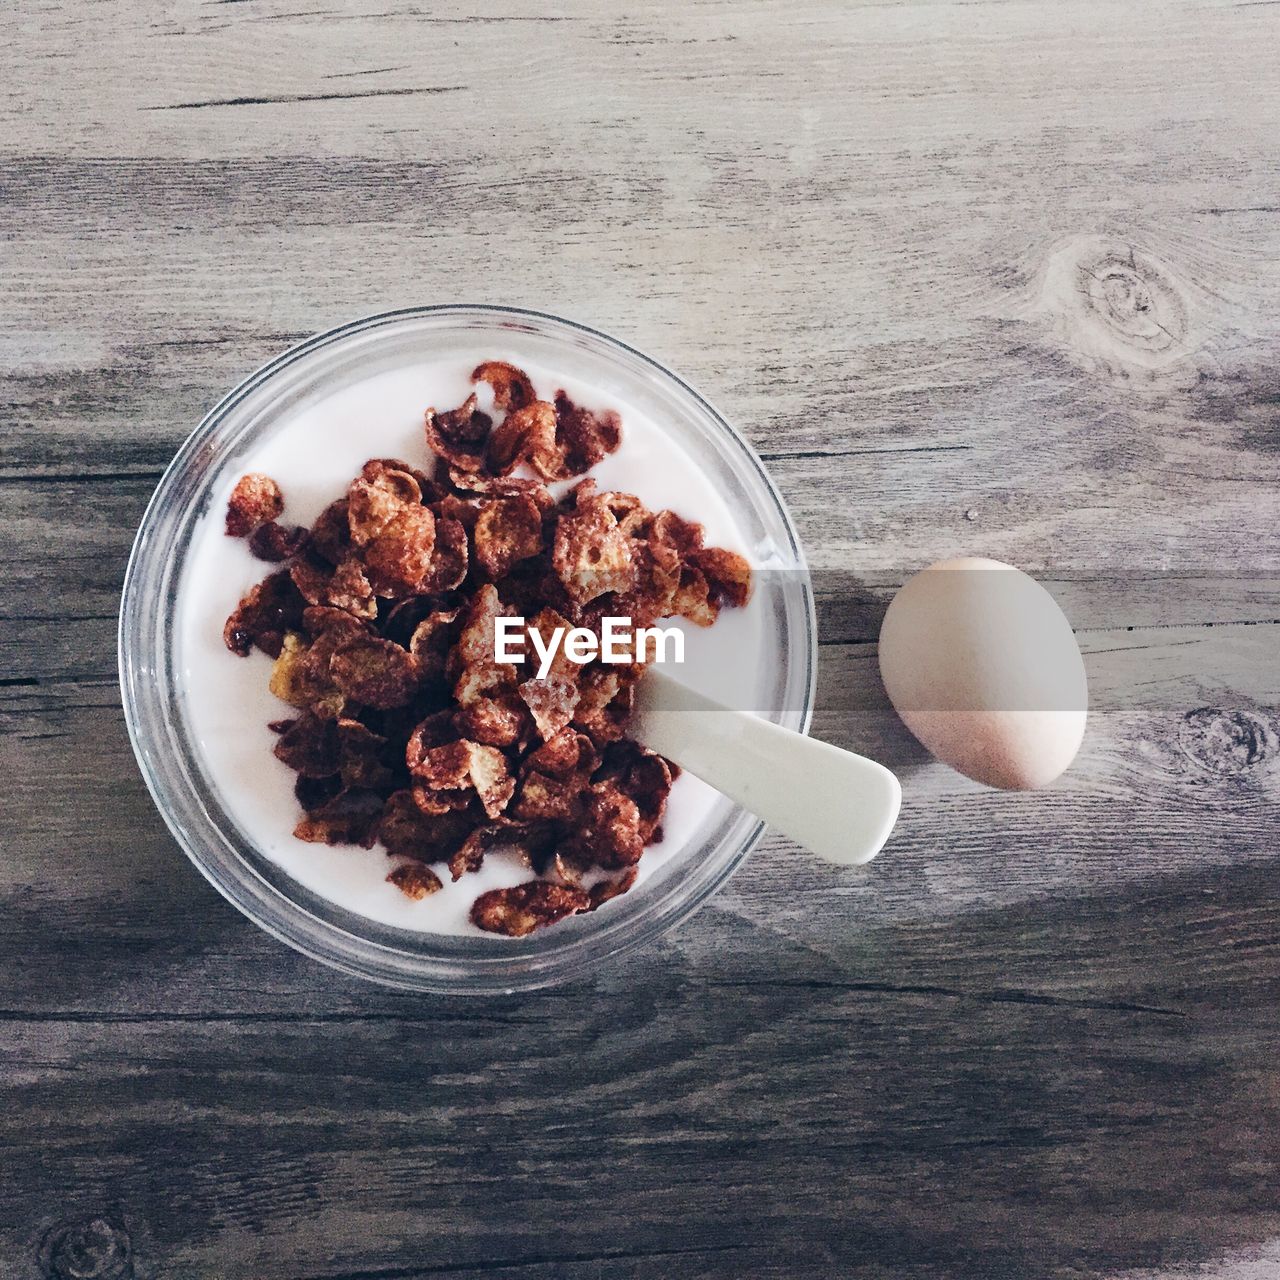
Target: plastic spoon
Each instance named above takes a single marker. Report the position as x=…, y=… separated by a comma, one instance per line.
x=839, y=805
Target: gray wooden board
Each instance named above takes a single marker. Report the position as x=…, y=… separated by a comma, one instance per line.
x=993, y=277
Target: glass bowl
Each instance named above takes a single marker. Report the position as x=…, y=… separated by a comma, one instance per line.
x=152, y=682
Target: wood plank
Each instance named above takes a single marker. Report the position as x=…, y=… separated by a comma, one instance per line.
x=922, y=73
x=1126, y=1123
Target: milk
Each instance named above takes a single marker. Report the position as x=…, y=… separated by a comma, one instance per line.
x=313, y=454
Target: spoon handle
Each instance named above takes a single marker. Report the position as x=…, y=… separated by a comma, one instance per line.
x=839, y=805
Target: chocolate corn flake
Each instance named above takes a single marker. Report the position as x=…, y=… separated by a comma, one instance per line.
x=511, y=386
x=561, y=754
x=376, y=672
x=469, y=483
x=669, y=529
x=262, y=619
x=398, y=558
x=643, y=777
x=274, y=542
x=494, y=721
x=528, y=435
x=372, y=505
x=313, y=793
x=286, y=675
x=432, y=641
x=408, y=830
x=591, y=554
x=491, y=777
x=518, y=911
x=606, y=890
x=450, y=558
x=364, y=759
x=381, y=622
x=350, y=817
x=436, y=803
x=476, y=643
x=431, y=731
x=546, y=622
x=331, y=533
x=310, y=747
x=349, y=589
x=427, y=490
x=319, y=620
x=447, y=767
x=606, y=694
x=403, y=828
x=585, y=437
x=315, y=672
x=728, y=575
x=468, y=764
x=551, y=701
x=459, y=435
x=544, y=798
x=693, y=599
x=312, y=578
x=507, y=531
x=254, y=500
x=611, y=833
x=415, y=880
x=533, y=842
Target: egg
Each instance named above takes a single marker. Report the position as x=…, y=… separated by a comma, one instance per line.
x=983, y=667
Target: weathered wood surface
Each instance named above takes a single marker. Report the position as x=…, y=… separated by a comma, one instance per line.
x=1001, y=277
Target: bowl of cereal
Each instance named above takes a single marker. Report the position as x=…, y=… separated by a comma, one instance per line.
x=366, y=644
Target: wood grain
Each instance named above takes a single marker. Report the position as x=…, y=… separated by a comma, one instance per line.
x=999, y=278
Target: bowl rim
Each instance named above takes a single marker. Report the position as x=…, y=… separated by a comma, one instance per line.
x=349, y=951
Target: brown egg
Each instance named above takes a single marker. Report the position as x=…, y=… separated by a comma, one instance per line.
x=984, y=669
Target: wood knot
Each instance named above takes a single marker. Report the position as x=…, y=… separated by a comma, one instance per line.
x=92, y=1249
x=1226, y=743
x=1116, y=305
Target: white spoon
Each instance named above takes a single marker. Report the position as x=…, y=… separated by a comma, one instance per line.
x=839, y=805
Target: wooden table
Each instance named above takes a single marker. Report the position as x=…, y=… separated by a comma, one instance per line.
x=992, y=277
